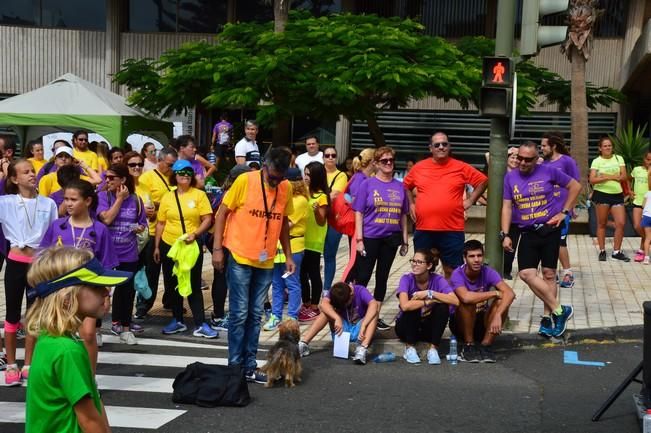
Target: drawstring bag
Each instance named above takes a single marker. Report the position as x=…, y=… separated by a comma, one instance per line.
x=141, y=284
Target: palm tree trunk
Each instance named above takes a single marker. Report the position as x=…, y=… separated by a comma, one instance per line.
x=281, y=15
x=579, y=116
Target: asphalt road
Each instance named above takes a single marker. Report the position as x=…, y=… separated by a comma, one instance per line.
x=526, y=391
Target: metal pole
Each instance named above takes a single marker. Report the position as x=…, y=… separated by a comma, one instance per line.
x=499, y=141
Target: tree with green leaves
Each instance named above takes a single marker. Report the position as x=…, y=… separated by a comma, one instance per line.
x=351, y=65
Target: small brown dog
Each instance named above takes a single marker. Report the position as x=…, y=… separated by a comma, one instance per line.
x=284, y=359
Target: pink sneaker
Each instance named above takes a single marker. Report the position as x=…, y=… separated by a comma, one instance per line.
x=12, y=376
x=305, y=314
x=24, y=372
x=639, y=257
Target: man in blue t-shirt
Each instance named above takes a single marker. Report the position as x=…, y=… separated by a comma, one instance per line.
x=484, y=304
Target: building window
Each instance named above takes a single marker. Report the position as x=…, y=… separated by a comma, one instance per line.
x=191, y=16
x=319, y=7
x=259, y=11
x=455, y=19
x=69, y=14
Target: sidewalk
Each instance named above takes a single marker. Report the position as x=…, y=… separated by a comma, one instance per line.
x=606, y=294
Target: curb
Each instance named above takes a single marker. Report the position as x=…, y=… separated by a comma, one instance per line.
x=386, y=341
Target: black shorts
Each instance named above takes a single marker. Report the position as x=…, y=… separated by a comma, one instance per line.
x=480, y=327
x=536, y=248
x=599, y=197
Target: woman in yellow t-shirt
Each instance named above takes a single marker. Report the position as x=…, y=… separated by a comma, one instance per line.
x=337, y=181
x=185, y=210
x=640, y=176
x=297, y=224
x=607, y=171
x=35, y=155
x=315, y=233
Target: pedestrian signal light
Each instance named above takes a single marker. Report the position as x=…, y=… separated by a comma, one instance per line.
x=497, y=71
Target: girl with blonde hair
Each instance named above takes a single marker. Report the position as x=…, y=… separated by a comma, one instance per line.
x=69, y=285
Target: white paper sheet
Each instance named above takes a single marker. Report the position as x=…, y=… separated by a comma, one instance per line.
x=342, y=342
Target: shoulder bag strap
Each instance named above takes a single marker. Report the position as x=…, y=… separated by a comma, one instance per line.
x=178, y=203
x=163, y=179
x=333, y=180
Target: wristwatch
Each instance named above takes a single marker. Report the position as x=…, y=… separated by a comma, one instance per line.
x=565, y=211
x=504, y=235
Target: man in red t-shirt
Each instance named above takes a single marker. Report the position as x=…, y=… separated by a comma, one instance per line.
x=438, y=208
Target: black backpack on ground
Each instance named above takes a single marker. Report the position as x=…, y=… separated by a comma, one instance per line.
x=211, y=385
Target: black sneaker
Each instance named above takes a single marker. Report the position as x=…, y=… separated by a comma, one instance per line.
x=487, y=355
x=508, y=276
x=620, y=256
x=139, y=317
x=256, y=376
x=602, y=256
x=382, y=325
x=469, y=353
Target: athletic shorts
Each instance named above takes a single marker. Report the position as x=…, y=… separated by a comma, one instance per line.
x=535, y=249
x=646, y=221
x=449, y=244
x=352, y=328
x=599, y=197
x=565, y=230
x=478, y=332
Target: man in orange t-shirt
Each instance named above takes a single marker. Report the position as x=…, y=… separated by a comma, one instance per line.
x=438, y=208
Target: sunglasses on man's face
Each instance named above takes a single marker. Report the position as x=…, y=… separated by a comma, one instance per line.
x=441, y=144
x=330, y=155
x=136, y=164
x=525, y=159
x=386, y=161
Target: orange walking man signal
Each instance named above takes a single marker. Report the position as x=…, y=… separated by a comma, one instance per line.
x=498, y=73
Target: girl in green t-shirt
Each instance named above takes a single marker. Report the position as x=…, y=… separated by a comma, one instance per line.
x=607, y=171
x=69, y=285
x=640, y=179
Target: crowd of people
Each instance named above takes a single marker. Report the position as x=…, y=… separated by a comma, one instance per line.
x=268, y=228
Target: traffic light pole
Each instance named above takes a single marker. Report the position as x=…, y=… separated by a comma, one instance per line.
x=499, y=141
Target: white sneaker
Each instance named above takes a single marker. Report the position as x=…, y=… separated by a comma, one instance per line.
x=433, y=357
x=646, y=260
x=98, y=337
x=303, y=349
x=127, y=337
x=360, y=355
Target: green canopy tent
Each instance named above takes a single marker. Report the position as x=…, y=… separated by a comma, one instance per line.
x=69, y=103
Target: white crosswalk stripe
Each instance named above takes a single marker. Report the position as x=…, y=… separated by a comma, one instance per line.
x=138, y=418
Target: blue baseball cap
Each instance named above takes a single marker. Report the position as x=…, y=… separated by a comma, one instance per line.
x=182, y=164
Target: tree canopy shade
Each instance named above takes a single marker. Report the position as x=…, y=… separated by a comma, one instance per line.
x=350, y=65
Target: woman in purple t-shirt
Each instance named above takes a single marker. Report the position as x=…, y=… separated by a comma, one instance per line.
x=81, y=230
x=424, y=298
x=381, y=208
x=124, y=214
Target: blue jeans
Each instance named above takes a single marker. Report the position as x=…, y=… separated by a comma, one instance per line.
x=330, y=257
x=293, y=284
x=247, y=288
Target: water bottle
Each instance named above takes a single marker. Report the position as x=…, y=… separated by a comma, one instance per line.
x=385, y=357
x=646, y=422
x=452, y=357
x=212, y=157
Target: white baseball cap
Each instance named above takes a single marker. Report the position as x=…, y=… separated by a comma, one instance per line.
x=64, y=149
